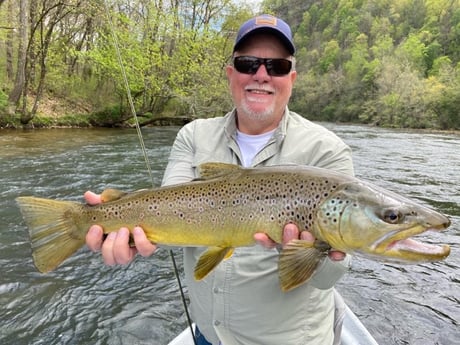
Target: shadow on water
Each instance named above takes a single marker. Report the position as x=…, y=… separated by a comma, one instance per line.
x=86, y=302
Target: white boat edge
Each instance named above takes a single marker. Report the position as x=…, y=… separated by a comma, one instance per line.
x=353, y=333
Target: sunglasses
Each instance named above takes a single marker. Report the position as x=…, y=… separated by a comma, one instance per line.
x=251, y=64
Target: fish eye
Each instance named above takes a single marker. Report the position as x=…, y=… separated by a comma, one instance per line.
x=392, y=216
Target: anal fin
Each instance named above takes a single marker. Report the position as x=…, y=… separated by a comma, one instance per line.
x=210, y=259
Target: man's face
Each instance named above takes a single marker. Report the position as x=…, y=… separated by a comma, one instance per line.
x=261, y=96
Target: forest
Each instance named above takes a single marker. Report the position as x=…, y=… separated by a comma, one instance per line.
x=392, y=63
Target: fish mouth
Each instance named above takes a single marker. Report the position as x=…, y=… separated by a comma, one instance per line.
x=402, y=247
x=417, y=247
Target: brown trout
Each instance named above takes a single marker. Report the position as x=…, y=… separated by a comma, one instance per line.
x=227, y=205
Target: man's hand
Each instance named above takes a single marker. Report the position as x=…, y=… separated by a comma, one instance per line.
x=291, y=232
x=115, y=248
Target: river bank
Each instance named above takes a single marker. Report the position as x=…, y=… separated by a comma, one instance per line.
x=63, y=113
x=89, y=121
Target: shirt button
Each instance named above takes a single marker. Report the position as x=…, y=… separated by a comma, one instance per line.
x=216, y=290
x=216, y=323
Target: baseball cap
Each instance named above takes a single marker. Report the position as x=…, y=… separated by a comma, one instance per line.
x=266, y=23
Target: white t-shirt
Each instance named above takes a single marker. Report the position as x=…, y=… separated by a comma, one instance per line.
x=251, y=145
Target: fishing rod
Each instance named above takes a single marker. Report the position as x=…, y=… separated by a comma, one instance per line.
x=144, y=152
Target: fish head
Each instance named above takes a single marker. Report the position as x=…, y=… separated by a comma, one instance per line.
x=361, y=218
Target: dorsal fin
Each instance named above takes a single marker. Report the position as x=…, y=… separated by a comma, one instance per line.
x=111, y=194
x=214, y=170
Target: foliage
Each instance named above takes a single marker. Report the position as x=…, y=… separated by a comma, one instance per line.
x=173, y=53
x=3, y=101
x=109, y=116
x=167, y=60
x=6, y=119
x=385, y=62
x=378, y=62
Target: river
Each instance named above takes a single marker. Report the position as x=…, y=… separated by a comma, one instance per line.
x=86, y=302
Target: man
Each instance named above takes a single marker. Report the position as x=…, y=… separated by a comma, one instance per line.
x=240, y=302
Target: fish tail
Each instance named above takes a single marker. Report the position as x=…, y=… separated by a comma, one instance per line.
x=53, y=233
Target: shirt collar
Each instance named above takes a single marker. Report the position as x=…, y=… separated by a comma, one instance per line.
x=230, y=125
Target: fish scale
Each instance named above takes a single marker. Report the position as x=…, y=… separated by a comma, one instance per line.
x=228, y=204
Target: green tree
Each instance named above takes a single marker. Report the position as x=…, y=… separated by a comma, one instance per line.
x=349, y=58
x=374, y=61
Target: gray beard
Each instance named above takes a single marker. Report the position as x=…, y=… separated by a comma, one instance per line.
x=259, y=115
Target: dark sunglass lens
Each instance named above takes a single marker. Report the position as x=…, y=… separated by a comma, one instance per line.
x=250, y=65
x=279, y=67
x=246, y=64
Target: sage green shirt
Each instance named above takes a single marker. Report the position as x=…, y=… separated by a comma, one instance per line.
x=240, y=302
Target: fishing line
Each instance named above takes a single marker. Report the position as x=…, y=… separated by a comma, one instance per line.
x=128, y=91
x=144, y=151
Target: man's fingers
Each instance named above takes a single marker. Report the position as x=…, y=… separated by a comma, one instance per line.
x=307, y=236
x=290, y=232
x=335, y=255
x=263, y=239
x=116, y=249
x=94, y=238
x=143, y=245
x=123, y=253
x=107, y=249
x=92, y=198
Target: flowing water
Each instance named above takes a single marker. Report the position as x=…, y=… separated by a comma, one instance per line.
x=86, y=302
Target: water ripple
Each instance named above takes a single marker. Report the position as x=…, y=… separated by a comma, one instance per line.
x=86, y=302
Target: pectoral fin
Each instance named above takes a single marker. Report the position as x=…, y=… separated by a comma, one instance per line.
x=210, y=259
x=298, y=261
